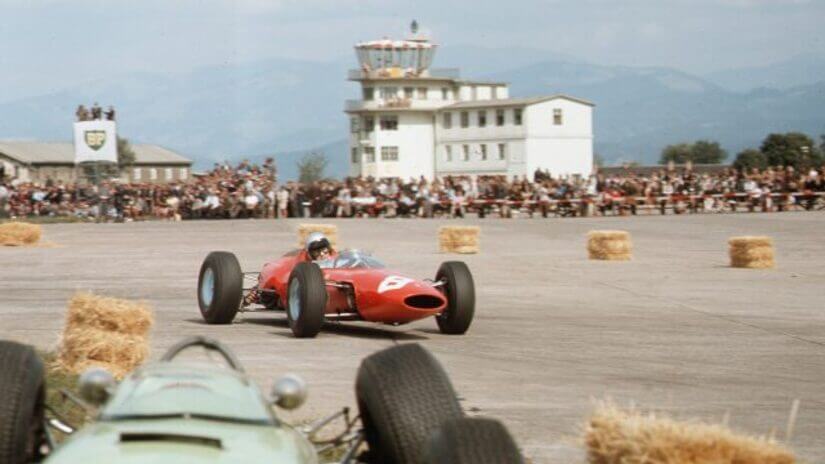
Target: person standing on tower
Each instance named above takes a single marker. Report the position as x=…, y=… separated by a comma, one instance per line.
x=96, y=111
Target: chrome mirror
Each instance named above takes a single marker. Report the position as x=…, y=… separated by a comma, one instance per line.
x=96, y=385
x=289, y=392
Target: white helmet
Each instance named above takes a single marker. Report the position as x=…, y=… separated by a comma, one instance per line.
x=316, y=241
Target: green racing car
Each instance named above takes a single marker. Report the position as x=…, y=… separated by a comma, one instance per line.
x=181, y=411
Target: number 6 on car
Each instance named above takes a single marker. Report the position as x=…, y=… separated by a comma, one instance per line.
x=345, y=286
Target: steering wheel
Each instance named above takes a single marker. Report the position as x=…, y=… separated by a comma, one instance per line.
x=209, y=344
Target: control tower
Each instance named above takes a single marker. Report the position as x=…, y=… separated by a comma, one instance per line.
x=391, y=127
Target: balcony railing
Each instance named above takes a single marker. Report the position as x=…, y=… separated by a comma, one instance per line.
x=398, y=73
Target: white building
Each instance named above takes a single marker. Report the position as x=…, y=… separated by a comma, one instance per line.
x=415, y=121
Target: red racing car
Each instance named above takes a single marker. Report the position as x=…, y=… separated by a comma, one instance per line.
x=347, y=286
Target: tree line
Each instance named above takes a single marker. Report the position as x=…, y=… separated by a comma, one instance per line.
x=789, y=149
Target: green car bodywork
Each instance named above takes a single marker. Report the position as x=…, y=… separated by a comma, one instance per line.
x=183, y=412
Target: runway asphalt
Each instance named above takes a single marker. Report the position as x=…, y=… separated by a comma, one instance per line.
x=673, y=330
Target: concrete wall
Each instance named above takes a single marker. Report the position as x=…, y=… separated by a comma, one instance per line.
x=565, y=148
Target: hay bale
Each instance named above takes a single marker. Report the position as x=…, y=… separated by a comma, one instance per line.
x=614, y=436
x=609, y=245
x=330, y=230
x=458, y=239
x=751, y=252
x=19, y=233
x=104, y=332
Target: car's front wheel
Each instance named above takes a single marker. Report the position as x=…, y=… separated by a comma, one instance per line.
x=458, y=286
x=220, y=287
x=22, y=409
x=306, y=300
x=403, y=396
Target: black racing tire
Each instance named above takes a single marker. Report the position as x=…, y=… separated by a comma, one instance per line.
x=226, y=277
x=403, y=395
x=460, y=291
x=22, y=409
x=472, y=440
x=306, y=316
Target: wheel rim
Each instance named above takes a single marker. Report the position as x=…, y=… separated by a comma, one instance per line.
x=208, y=286
x=294, y=299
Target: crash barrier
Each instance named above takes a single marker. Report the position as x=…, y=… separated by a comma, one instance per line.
x=573, y=207
x=751, y=252
x=329, y=230
x=615, y=436
x=104, y=332
x=609, y=245
x=19, y=233
x=458, y=239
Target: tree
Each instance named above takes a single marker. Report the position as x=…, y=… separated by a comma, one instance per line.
x=791, y=149
x=749, y=159
x=311, y=167
x=699, y=152
x=125, y=154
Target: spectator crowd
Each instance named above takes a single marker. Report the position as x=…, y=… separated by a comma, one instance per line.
x=250, y=191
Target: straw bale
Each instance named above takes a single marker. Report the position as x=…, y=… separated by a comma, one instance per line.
x=615, y=436
x=609, y=245
x=751, y=252
x=84, y=347
x=330, y=230
x=459, y=239
x=109, y=314
x=19, y=233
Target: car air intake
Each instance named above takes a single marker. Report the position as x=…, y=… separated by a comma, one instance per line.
x=423, y=301
x=136, y=437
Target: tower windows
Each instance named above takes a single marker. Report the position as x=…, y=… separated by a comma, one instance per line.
x=517, y=116
x=408, y=92
x=389, y=153
x=369, y=154
x=502, y=154
x=355, y=155
x=482, y=118
x=369, y=93
x=369, y=124
x=499, y=117
x=447, y=120
x=389, y=123
x=557, y=117
x=448, y=153
x=422, y=93
x=465, y=119
x=465, y=152
x=483, y=152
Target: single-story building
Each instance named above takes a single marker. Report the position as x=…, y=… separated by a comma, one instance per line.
x=41, y=161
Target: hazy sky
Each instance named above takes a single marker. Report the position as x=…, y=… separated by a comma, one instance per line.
x=48, y=44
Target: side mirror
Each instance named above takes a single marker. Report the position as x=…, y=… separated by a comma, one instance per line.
x=96, y=385
x=289, y=392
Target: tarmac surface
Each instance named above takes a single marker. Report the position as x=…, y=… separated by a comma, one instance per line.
x=673, y=330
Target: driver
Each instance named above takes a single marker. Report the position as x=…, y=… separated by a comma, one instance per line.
x=318, y=247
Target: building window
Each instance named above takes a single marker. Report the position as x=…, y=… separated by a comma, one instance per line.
x=465, y=152
x=499, y=117
x=389, y=93
x=369, y=124
x=448, y=120
x=448, y=153
x=465, y=119
x=389, y=153
x=389, y=123
x=369, y=154
x=168, y=173
x=502, y=154
x=353, y=124
x=136, y=174
x=422, y=93
x=517, y=116
x=355, y=155
x=473, y=93
x=369, y=93
x=445, y=93
x=483, y=152
x=482, y=119
x=557, y=118
x=184, y=173
x=408, y=92
x=153, y=174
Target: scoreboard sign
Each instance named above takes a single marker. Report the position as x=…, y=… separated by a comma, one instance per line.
x=95, y=141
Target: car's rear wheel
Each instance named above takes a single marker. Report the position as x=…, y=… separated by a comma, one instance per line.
x=459, y=288
x=472, y=441
x=306, y=300
x=22, y=409
x=220, y=287
x=403, y=395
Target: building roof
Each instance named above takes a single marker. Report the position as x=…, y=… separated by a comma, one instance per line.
x=513, y=102
x=63, y=153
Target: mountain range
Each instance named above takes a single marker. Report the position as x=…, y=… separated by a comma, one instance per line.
x=288, y=107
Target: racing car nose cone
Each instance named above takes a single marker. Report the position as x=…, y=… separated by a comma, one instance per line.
x=424, y=301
